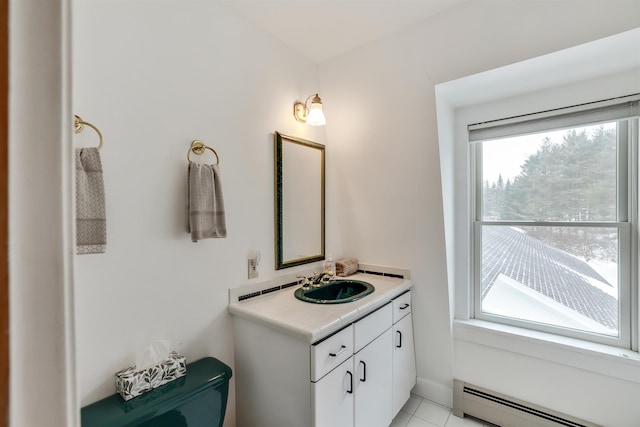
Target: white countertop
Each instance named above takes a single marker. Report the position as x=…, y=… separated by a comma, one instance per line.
x=283, y=311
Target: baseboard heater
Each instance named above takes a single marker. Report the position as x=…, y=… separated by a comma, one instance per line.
x=505, y=411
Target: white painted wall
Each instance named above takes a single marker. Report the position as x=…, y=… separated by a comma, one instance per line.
x=383, y=132
x=153, y=76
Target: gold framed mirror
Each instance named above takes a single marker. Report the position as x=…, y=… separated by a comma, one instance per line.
x=299, y=201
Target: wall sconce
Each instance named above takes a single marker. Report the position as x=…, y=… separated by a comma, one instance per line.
x=311, y=115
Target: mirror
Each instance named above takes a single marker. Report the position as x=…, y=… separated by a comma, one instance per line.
x=299, y=201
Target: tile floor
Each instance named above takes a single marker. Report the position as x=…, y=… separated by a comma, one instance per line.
x=418, y=412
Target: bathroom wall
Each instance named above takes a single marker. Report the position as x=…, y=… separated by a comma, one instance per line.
x=385, y=140
x=153, y=76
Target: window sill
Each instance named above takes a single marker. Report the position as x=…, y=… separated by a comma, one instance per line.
x=598, y=358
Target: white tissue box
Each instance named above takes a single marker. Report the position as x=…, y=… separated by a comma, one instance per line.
x=131, y=382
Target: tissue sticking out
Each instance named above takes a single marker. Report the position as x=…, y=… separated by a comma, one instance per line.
x=152, y=355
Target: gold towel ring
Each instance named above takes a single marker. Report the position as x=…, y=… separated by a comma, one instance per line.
x=79, y=127
x=198, y=147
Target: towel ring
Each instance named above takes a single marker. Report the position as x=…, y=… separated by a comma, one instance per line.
x=198, y=147
x=79, y=127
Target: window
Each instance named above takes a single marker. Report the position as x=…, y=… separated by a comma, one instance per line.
x=555, y=221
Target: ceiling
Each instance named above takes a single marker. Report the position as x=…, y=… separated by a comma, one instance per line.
x=322, y=29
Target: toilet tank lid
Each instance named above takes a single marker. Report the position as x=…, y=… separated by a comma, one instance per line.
x=201, y=375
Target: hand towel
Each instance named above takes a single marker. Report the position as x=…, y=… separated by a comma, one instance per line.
x=91, y=222
x=346, y=267
x=206, y=206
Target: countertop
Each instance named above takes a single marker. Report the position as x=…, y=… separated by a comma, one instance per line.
x=281, y=310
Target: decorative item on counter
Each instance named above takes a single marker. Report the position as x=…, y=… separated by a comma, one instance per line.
x=346, y=267
x=330, y=266
x=154, y=367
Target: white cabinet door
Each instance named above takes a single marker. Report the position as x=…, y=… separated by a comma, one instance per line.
x=404, y=363
x=332, y=397
x=373, y=383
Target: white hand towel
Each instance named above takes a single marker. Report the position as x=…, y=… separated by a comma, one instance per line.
x=91, y=221
x=206, y=206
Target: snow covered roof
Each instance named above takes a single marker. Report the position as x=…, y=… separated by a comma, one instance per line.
x=549, y=271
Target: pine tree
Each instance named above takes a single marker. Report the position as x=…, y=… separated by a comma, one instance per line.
x=574, y=180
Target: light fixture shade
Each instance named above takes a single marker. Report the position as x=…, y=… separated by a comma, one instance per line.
x=316, y=116
x=311, y=115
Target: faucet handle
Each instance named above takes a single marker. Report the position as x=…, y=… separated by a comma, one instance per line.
x=304, y=281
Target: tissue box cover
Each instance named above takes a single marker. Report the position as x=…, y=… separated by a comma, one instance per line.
x=131, y=382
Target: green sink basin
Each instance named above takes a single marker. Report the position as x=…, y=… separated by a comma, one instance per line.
x=335, y=292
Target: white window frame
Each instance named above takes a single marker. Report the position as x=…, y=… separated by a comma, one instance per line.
x=592, y=113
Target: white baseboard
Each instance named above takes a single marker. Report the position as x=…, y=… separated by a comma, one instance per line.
x=434, y=392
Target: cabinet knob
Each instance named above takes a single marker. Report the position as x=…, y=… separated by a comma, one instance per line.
x=350, y=391
x=399, y=345
x=404, y=307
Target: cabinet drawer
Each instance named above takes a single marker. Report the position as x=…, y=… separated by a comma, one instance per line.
x=401, y=306
x=372, y=326
x=332, y=351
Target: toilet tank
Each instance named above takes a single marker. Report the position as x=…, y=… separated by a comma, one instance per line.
x=199, y=399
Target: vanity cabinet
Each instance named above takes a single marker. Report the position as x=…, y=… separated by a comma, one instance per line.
x=359, y=391
x=332, y=397
x=404, y=360
x=372, y=383
x=353, y=377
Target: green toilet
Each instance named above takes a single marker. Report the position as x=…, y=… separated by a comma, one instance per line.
x=198, y=399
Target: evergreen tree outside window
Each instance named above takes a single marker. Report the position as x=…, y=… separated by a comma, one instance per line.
x=555, y=220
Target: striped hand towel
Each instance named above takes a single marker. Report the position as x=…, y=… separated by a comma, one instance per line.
x=206, y=206
x=91, y=221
